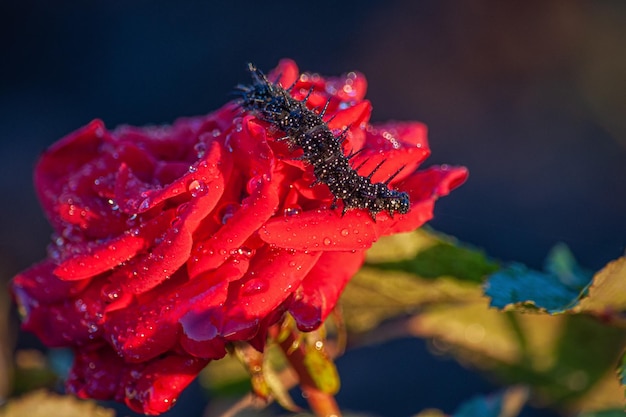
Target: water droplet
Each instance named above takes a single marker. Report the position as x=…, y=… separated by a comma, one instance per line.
x=198, y=188
x=99, y=132
x=254, y=286
x=200, y=149
x=111, y=292
x=254, y=183
x=327, y=241
x=131, y=220
x=228, y=211
x=292, y=211
x=228, y=143
x=180, y=210
x=145, y=204
x=111, y=202
x=80, y=305
x=345, y=232
x=92, y=328
x=247, y=252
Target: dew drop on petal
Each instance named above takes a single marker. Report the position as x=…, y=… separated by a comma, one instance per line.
x=345, y=232
x=145, y=204
x=255, y=286
x=180, y=210
x=228, y=211
x=254, y=183
x=131, y=220
x=200, y=149
x=327, y=241
x=245, y=252
x=292, y=211
x=198, y=188
x=228, y=143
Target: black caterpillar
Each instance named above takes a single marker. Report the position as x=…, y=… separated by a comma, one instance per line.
x=306, y=129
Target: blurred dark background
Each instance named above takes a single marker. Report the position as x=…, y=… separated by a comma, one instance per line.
x=530, y=96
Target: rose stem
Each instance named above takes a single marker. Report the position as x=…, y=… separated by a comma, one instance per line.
x=322, y=403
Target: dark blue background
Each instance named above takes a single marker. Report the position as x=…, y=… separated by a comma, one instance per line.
x=530, y=96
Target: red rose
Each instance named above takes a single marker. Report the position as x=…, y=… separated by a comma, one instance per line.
x=172, y=241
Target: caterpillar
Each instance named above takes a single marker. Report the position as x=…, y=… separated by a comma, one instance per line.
x=306, y=129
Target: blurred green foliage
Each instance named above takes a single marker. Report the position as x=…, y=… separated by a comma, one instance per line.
x=507, y=326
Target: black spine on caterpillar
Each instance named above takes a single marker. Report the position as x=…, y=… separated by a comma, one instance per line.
x=306, y=129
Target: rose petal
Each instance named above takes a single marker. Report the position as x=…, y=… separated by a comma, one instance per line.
x=273, y=275
x=320, y=289
x=254, y=210
x=321, y=230
x=150, y=327
x=64, y=157
x=154, y=389
x=72, y=321
x=286, y=73
x=38, y=285
x=424, y=188
x=97, y=373
x=102, y=258
x=356, y=116
x=213, y=167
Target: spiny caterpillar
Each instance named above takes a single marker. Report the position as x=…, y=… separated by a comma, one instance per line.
x=307, y=130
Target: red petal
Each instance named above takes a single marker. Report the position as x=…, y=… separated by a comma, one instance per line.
x=73, y=321
x=272, y=277
x=102, y=258
x=214, y=167
x=150, y=327
x=97, y=373
x=155, y=389
x=355, y=116
x=322, y=287
x=288, y=72
x=38, y=285
x=321, y=230
x=254, y=210
x=66, y=157
x=424, y=187
x=147, y=271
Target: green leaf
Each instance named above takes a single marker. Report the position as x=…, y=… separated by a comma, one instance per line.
x=556, y=290
x=566, y=359
x=373, y=296
x=433, y=256
x=525, y=288
x=607, y=293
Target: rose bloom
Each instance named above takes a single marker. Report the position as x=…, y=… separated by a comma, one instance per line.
x=170, y=242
